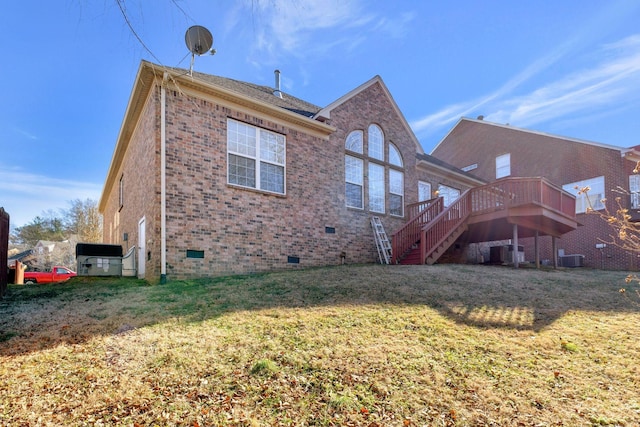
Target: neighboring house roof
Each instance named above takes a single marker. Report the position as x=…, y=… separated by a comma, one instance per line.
x=21, y=255
x=447, y=169
x=325, y=113
x=464, y=121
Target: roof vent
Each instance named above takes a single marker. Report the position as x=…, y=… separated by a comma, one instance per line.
x=277, y=91
x=480, y=117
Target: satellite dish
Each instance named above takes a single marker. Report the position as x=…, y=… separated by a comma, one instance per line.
x=199, y=41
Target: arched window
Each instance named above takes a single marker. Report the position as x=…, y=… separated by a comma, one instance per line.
x=394, y=156
x=354, y=141
x=376, y=143
x=383, y=187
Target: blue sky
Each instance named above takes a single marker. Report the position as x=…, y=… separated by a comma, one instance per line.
x=570, y=68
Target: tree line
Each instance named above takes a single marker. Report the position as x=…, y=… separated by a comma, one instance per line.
x=82, y=220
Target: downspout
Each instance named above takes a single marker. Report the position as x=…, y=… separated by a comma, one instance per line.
x=163, y=181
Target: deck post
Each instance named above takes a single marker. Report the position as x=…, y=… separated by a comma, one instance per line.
x=537, y=249
x=515, y=245
x=554, y=249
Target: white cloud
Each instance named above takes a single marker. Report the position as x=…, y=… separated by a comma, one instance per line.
x=607, y=84
x=452, y=113
x=25, y=195
x=444, y=117
x=603, y=86
x=316, y=28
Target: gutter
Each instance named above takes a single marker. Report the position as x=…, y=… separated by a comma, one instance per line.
x=163, y=179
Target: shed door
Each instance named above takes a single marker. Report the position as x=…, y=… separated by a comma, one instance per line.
x=142, y=248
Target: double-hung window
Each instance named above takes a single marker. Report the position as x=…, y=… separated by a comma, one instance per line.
x=256, y=157
x=424, y=191
x=634, y=191
x=503, y=165
x=354, y=171
x=396, y=192
x=448, y=194
x=376, y=187
x=354, y=182
x=592, y=198
x=376, y=143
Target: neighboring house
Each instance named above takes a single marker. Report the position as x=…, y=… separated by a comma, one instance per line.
x=48, y=253
x=215, y=176
x=25, y=257
x=492, y=151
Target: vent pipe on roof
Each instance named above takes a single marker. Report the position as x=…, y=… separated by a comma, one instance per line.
x=277, y=91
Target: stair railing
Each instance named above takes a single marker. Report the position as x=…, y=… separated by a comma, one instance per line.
x=440, y=228
x=407, y=236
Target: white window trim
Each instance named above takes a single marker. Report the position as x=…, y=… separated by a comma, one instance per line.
x=424, y=184
x=595, y=194
x=372, y=186
x=258, y=159
x=401, y=174
x=634, y=191
x=503, y=165
x=373, y=128
x=355, y=134
x=396, y=153
x=359, y=184
x=446, y=192
x=366, y=161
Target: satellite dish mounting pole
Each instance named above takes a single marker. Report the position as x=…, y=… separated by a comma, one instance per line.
x=198, y=40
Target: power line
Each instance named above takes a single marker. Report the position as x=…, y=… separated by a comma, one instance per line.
x=126, y=18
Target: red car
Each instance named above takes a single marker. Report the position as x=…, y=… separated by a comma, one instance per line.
x=56, y=275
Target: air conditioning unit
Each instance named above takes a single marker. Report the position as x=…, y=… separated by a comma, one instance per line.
x=572, y=261
x=504, y=254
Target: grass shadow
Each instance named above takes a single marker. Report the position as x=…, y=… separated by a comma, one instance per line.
x=42, y=316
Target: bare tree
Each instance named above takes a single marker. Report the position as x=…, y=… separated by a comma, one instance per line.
x=84, y=220
x=624, y=233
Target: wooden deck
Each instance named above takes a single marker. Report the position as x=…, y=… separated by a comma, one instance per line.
x=534, y=206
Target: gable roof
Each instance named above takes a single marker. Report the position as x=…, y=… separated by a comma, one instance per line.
x=325, y=113
x=258, y=98
x=496, y=127
x=259, y=92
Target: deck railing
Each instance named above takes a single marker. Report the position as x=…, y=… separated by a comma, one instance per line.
x=511, y=192
x=431, y=223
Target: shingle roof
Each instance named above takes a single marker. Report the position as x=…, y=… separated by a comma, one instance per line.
x=435, y=161
x=491, y=130
x=20, y=255
x=261, y=93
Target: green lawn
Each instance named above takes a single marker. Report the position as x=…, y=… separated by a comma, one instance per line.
x=351, y=345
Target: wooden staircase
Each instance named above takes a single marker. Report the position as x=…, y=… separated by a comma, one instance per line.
x=488, y=212
x=426, y=237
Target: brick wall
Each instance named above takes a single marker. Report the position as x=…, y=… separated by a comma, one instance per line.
x=239, y=230
x=139, y=171
x=561, y=161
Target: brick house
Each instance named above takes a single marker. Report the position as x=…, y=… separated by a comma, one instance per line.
x=492, y=151
x=214, y=176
